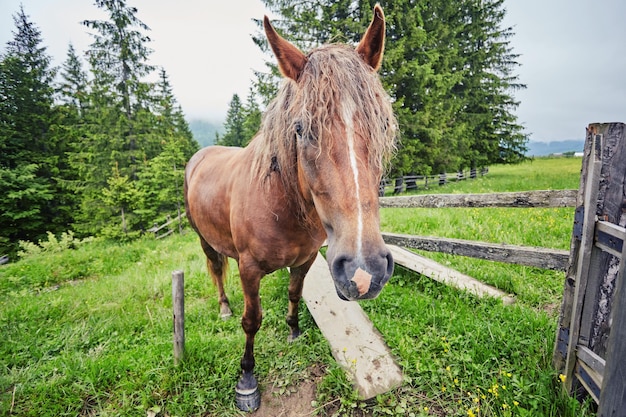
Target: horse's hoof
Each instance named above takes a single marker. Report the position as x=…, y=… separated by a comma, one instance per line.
x=293, y=335
x=248, y=400
x=225, y=312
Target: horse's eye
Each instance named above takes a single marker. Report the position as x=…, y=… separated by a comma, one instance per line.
x=298, y=129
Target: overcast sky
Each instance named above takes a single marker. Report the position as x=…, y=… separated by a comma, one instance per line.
x=573, y=53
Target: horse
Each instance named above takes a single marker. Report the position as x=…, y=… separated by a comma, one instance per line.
x=311, y=174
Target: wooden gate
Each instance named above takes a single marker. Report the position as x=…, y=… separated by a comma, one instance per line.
x=590, y=343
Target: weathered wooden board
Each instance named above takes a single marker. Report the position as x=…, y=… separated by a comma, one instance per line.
x=541, y=198
x=591, y=340
x=522, y=255
x=356, y=345
x=446, y=275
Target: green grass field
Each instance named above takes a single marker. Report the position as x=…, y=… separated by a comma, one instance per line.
x=87, y=331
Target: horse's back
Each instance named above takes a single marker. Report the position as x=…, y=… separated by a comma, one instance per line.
x=211, y=156
x=209, y=178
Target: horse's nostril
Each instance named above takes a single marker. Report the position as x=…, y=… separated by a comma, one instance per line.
x=390, y=265
x=339, y=267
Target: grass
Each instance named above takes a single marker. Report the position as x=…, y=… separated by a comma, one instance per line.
x=88, y=331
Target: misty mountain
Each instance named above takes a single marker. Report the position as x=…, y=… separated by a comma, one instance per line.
x=204, y=131
x=554, y=147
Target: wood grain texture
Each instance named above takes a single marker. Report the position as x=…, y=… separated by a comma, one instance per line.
x=541, y=198
x=521, y=255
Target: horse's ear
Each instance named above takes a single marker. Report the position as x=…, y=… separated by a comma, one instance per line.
x=291, y=60
x=372, y=45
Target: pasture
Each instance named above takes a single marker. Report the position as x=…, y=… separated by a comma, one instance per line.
x=87, y=331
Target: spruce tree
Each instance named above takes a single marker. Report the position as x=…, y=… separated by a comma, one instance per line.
x=252, y=117
x=119, y=59
x=119, y=121
x=448, y=67
x=29, y=154
x=73, y=86
x=234, y=134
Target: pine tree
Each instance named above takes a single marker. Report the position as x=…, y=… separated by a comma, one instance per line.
x=448, y=67
x=252, y=117
x=161, y=178
x=119, y=58
x=119, y=122
x=29, y=154
x=234, y=134
x=487, y=88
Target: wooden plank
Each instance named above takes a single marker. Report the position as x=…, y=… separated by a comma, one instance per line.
x=588, y=379
x=594, y=161
x=592, y=360
x=610, y=237
x=561, y=343
x=541, y=198
x=156, y=228
x=446, y=275
x=354, y=341
x=589, y=371
x=613, y=394
x=554, y=259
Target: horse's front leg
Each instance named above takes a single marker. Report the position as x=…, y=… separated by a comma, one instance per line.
x=248, y=396
x=296, y=282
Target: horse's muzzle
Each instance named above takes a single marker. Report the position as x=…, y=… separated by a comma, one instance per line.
x=361, y=279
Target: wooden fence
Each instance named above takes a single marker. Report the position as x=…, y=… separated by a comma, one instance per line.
x=166, y=229
x=521, y=255
x=590, y=343
x=415, y=182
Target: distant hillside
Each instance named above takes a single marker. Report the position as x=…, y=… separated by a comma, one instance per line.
x=555, y=147
x=204, y=131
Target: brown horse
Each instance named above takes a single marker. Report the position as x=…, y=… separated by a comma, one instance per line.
x=311, y=174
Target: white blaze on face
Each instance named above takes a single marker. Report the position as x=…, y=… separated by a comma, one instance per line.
x=348, y=119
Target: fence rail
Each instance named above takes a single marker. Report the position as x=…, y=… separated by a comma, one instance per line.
x=415, y=182
x=157, y=229
x=520, y=255
x=542, y=198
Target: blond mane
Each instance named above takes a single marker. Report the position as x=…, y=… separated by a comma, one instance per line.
x=334, y=76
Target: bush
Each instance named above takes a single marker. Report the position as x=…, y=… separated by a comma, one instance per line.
x=53, y=244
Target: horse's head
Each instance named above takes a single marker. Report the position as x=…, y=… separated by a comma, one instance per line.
x=339, y=120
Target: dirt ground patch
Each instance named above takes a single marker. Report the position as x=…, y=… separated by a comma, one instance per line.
x=296, y=401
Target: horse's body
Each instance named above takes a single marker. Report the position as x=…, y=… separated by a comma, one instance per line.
x=311, y=174
x=243, y=221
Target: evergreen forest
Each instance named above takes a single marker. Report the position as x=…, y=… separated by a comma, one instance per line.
x=449, y=69
x=93, y=148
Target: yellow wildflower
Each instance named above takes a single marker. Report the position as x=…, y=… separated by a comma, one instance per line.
x=562, y=377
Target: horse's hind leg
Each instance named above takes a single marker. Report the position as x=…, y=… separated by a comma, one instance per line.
x=296, y=282
x=217, y=265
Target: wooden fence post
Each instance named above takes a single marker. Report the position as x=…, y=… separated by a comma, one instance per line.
x=591, y=339
x=613, y=393
x=178, y=304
